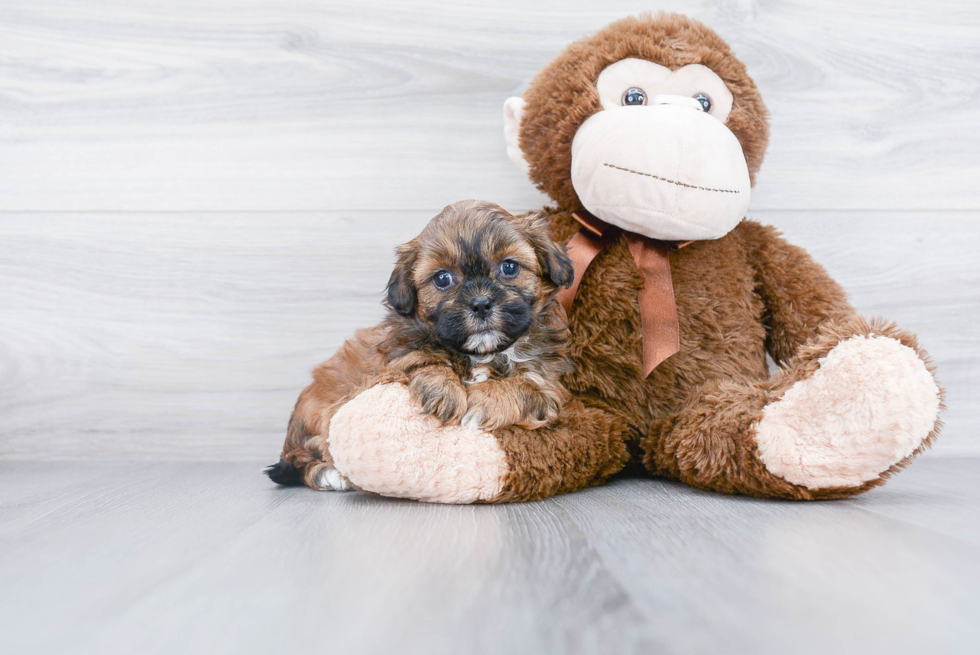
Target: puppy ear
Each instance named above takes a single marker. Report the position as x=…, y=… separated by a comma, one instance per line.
x=402, y=295
x=554, y=261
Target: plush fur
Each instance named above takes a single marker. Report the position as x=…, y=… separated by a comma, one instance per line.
x=852, y=402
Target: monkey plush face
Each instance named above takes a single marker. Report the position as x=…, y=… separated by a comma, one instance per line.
x=657, y=159
x=477, y=277
x=651, y=125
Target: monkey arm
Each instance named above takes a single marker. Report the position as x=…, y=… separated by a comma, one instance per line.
x=801, y=299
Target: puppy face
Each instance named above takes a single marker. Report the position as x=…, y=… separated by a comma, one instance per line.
x=477, y=276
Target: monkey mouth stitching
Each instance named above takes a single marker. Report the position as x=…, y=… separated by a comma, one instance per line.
x=664, y=179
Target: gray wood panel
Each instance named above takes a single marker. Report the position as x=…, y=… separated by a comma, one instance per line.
x=212, y=558
x=310, y=105
x=188, y=336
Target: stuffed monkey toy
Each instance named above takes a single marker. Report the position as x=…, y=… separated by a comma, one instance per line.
x=648, y=137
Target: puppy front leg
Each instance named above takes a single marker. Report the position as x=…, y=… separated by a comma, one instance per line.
x=439, y=391
x=498, y=403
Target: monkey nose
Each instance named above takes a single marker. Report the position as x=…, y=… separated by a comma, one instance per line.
x=481, y=306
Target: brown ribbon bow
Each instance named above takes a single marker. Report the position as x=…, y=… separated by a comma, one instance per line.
x=658, y=311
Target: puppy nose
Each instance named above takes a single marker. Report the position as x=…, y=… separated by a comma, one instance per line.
x=481, y=306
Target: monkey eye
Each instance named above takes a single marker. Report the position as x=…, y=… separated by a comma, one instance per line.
x=704, y=100
x=509, y=268
x=634, y=96
x=443, y=280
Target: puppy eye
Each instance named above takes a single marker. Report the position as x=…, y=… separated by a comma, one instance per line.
x=634, y=96
x=704, y=100
x=509, y=268
x=443, y=280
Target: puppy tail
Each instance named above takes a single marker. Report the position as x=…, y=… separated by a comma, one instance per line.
x=284, y=473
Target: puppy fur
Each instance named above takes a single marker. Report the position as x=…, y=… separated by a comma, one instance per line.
x=473, y=330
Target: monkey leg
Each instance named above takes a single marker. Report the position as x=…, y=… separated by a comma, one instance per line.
x=382, y=443
x=853, y=406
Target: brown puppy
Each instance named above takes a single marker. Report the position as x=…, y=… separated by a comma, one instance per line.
x=473, y=329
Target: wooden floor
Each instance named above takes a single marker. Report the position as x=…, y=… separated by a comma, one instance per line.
x=212, y=558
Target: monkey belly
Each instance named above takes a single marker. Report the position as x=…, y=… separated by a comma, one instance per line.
x=720, y=319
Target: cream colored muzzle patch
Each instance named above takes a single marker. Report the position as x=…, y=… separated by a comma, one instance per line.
x=666, y=171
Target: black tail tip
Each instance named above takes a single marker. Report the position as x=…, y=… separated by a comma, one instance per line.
x=284, y=473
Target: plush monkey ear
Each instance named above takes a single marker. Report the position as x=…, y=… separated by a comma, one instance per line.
x=513, y=111
x=402, y=295
x=554, y=261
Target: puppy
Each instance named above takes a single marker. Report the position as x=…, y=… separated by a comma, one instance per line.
x=473, y=329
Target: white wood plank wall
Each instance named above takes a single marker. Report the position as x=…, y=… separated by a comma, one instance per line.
x=199, y=200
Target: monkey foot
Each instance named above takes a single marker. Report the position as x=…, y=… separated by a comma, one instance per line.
x=870, y=405
x=382, y=443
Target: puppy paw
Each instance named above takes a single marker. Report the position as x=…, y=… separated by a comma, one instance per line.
x=438, y=391
x=476, y=419
x=488, y=418
x=502, y=403
x=328, y=479
x=479, y=375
